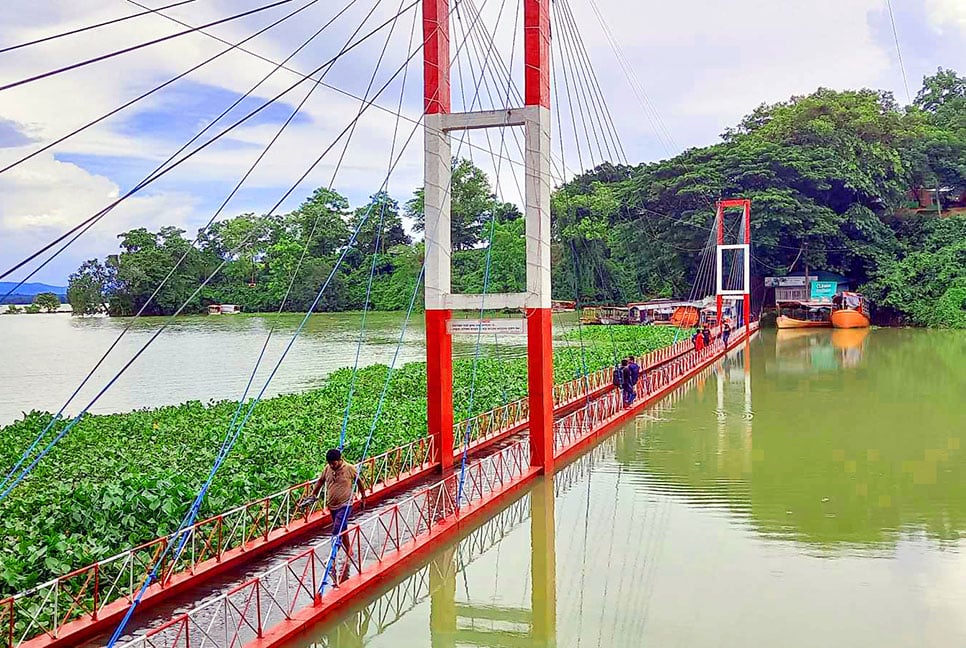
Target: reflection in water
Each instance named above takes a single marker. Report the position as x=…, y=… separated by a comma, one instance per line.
x=458, y=616
x=771, y=502
x=857, y=438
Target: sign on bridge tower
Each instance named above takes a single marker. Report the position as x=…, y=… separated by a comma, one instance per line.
x=743, y=249
x=440, y=122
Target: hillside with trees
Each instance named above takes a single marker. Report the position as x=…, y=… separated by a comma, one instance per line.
x=839, y=180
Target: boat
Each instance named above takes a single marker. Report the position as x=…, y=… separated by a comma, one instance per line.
x=851, y=311
x=604, y=315
x=223, y=309
x=561, y=306
x=804, y=314
x=657, y=312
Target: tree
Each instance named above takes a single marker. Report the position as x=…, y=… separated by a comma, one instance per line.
x=943, y=95
x=88, y=287
x=378, y=220
x=472, y=204
x=47, y=301
x=142, y=282
x=321, y=220
x=13, y=309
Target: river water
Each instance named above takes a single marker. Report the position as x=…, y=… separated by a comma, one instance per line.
x=202, y=358
x=809, y=494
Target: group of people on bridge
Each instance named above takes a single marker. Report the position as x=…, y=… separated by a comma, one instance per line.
x=626, y=376
x=702, y=337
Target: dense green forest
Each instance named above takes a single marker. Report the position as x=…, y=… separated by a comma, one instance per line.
x=833, y=178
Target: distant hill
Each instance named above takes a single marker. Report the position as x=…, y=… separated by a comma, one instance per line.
x=26, y=293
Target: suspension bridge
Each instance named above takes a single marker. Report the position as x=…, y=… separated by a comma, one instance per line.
x=263, y=573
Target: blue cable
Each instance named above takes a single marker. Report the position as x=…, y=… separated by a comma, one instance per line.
x=336, y=543
x=73, y=422
x=476, y=360
x=230, y=439
x=362, y=329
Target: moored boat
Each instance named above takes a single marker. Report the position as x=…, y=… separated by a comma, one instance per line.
x=801, y=314
x=851, y=311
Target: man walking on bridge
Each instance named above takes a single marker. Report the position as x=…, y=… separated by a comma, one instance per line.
x=339, y=479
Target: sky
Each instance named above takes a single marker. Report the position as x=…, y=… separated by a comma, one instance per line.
x=698, y=68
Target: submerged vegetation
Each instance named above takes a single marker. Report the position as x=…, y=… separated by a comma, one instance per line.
x=121, y=479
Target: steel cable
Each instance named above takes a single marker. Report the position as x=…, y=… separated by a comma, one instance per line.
x=126, y=50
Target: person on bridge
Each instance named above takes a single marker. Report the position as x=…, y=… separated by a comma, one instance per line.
x=706, y=333
x=627, y=384
x=635, y=372
x=698, y=340
x=339, y=479
x=726, y=332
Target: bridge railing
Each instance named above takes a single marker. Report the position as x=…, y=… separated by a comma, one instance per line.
x=83, y=593
x=515, y=414
x=249, y=610
x=660, y=368
x=246, y=612
x=46, y=608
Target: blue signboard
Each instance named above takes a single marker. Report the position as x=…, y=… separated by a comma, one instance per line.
x=822, y=291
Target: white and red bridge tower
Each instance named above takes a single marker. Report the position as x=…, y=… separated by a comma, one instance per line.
x=534, y=118
x=742, y=291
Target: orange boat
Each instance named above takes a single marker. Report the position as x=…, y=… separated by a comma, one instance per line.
x=851, y=311
x=801, y=314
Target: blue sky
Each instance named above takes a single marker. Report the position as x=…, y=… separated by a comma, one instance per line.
x=702, y=64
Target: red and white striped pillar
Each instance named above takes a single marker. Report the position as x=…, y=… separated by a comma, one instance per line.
x=439, y=340
x=744, y=247
x=536, y=44
x=719, y=223
x=440, y=300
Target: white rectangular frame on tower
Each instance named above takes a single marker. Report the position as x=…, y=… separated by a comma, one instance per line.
x=535, y=121
x=746, y=275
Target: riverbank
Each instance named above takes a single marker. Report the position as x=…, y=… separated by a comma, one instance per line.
x=120, y=479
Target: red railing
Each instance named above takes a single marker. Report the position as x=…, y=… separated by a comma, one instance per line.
x=244, y=613
x=85, y=592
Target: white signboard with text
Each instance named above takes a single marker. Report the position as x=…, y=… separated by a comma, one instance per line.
x=499, y=326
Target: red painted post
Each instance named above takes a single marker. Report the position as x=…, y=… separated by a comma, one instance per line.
x=436, y=62
x=439, y=340
x=539, y=380
x=97, y=590
x=536, y=45
x=439, y=385
x=719, y=221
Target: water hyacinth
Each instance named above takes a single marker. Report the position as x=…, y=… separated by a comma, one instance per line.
x=117, y=480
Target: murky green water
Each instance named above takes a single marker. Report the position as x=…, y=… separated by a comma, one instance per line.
x=196, y=358
x=813, y=497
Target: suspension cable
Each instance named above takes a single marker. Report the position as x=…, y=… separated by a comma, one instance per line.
x=235, y=431
x=171, y=272
x=597, y=95
x=159, y=173
x=74, y=421
x=144, y=95
x=104, y=57
x=79, y=30
x=345, y=93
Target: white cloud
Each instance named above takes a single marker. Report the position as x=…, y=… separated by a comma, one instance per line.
x=707, y=63
x=46, y=199
x=704, y=63
x=947, y=13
